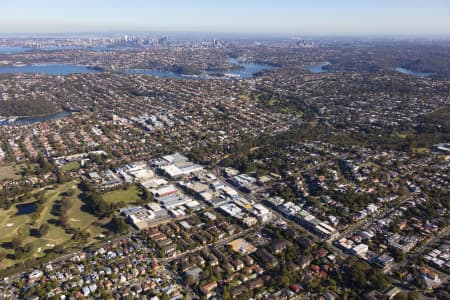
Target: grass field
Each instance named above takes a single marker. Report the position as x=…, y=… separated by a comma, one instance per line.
x=129, y=196
x=12, y=225
x=72, y=166
x=273, y=102
x=8, y=172
x=15, y=171
x=78, y=218
x=421, y=150
x=403, y=135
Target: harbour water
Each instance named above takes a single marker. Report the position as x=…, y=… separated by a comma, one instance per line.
x=319, y=68
x=32, y=120
x=412, y=73
x=49, y=69
x=247, y=70
x=11, y=50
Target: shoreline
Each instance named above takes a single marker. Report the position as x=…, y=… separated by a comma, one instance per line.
x=35, y=116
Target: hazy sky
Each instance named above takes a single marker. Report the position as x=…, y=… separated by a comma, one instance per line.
x=327, y=17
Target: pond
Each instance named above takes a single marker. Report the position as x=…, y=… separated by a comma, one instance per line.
x=26, y=208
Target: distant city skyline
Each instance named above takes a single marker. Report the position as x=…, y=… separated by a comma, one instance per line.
x=318, y=17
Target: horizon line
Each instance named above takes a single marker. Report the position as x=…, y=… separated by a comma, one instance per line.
x=238, y=33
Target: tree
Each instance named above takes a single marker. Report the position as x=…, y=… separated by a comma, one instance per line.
x=401, y=296
x=399, y=255
x=95, y=202
x=226, y=294
x=313, y=284
x=165, y=297
x=414, y=296
x=186, y=297
x=356, y=274
x=146, y=195
x=394, y=227
x=16, y=243
x=43, y=164
x=284, y=281
x=22, y=252
x=62, y=221
x=380, y=281
x=190, y=280
x=60, y=177
x=118, y=225
x=43, y=229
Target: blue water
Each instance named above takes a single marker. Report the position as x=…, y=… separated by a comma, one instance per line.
x=50, y=69
x=53, y=48
x=25, y=209
x=411, y=72
x=11, y=50
x=161, y=73
x=33, y=120
x=318, y=68
x=95, y=48
x=248, y=71
x=114, y=47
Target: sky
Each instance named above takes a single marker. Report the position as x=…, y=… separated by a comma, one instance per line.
x=312, y=17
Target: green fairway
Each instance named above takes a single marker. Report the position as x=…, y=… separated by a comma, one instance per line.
x=13, y=226
x=78, y=218
x=10, y=223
